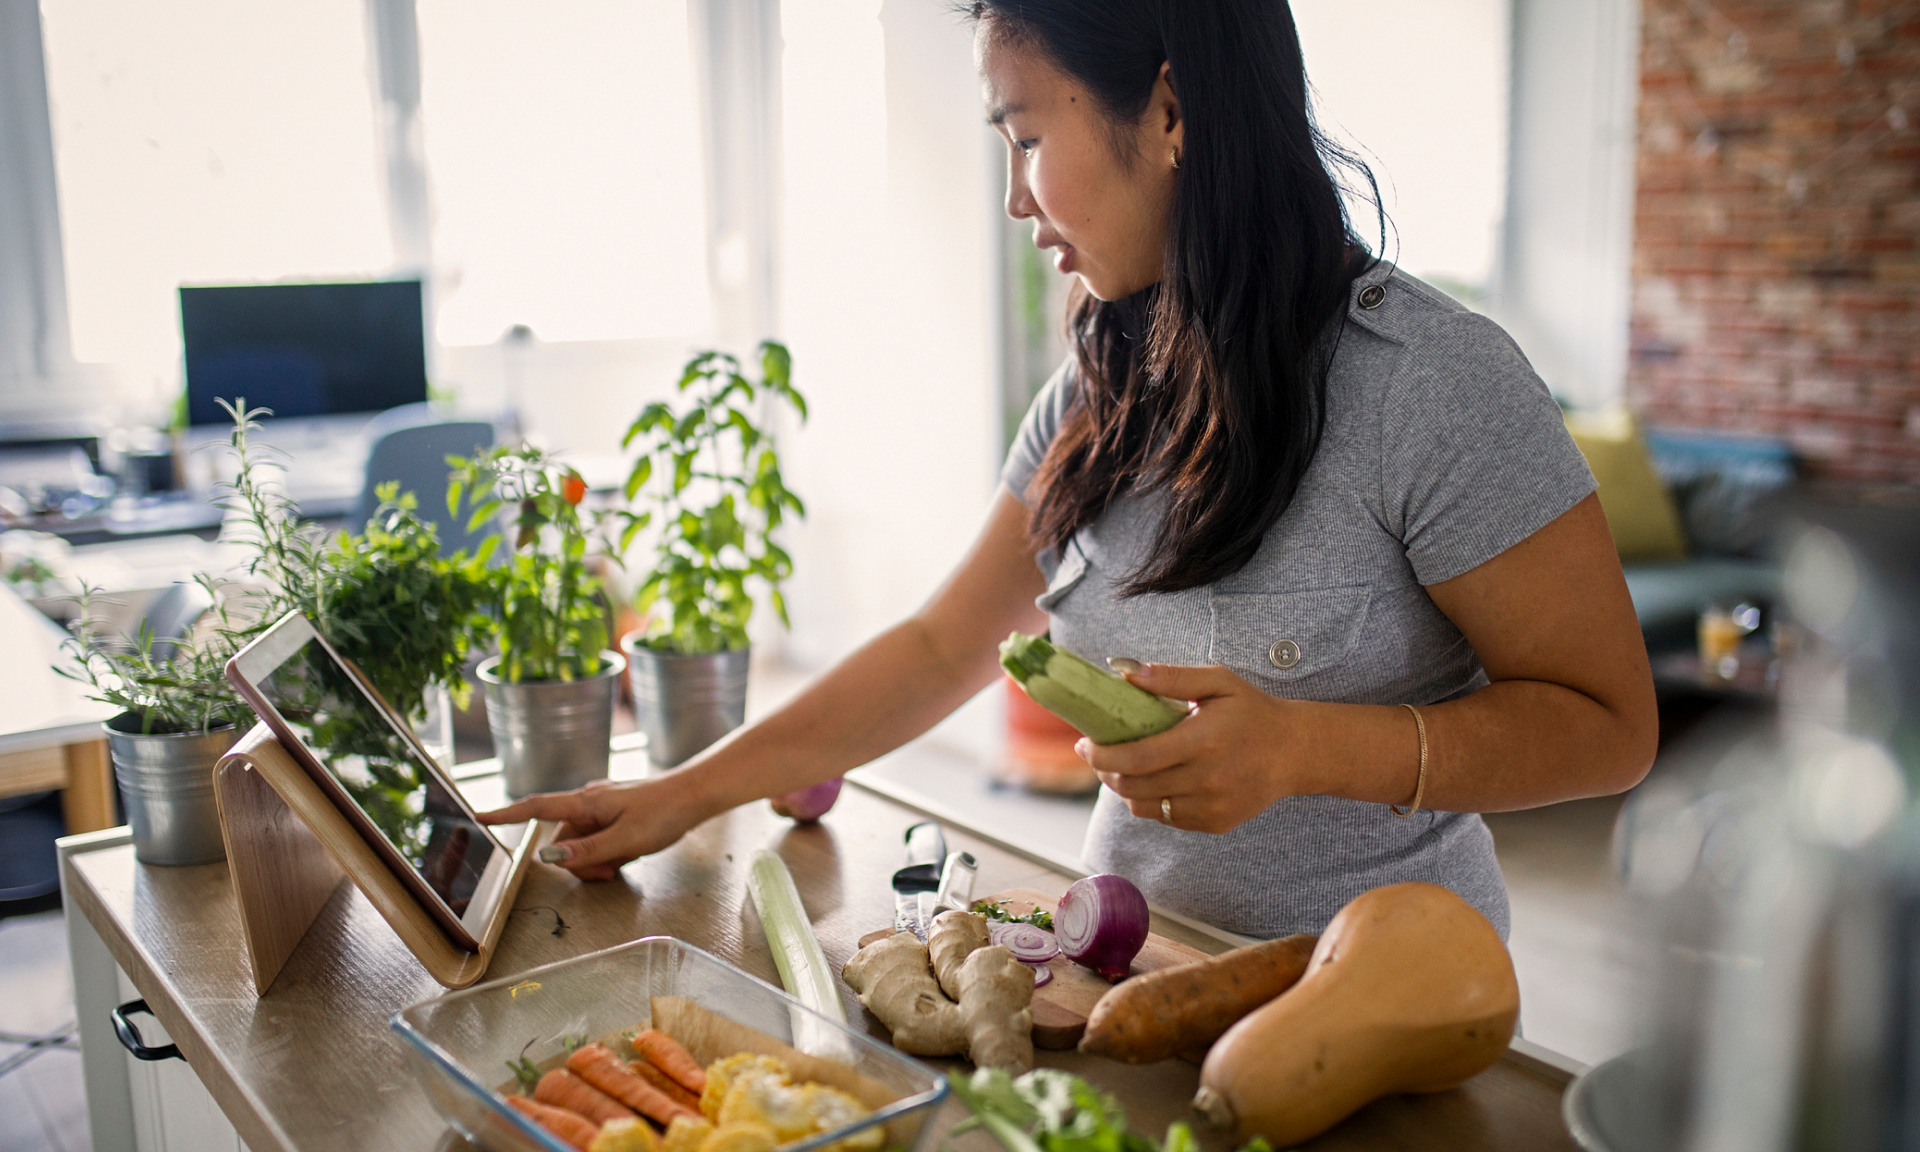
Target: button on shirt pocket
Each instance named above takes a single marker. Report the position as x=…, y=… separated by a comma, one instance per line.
x=1294, y=644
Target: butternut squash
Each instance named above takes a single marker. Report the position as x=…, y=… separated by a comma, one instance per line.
x=1408, y=990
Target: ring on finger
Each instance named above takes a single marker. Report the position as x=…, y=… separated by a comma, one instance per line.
x=1166, y=809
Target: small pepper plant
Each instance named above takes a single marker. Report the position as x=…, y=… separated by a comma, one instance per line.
x=550, y=613
x=712, y=479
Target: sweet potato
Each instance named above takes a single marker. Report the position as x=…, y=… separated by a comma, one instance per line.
x=1176, y=1010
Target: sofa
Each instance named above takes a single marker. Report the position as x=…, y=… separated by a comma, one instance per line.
x=1692, y=516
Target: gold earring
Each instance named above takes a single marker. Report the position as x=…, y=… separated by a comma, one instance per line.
x=1176, y=159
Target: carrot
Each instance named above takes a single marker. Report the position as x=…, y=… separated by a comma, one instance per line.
x=597, y=1066
x=563, y=1089
x=1179, y=1010
x=665, y=1053
x=665, y=1084
x=572, y=1127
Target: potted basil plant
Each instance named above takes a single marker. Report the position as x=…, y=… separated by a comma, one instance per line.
x=385, y=598
x=708, y=482
x=550, y=692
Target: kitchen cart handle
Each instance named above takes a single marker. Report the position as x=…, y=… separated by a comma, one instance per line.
x=130, y=1036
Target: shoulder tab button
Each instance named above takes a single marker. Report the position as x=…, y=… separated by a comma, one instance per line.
x=1371, y=296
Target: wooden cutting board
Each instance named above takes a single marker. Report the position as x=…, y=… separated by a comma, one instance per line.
x=1060, y=1007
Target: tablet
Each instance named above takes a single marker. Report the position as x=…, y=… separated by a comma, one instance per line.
x=369, y=763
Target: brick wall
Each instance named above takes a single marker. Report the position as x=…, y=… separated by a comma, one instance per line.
x=1776, y=277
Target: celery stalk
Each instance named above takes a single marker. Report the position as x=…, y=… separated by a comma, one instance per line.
x=796, y=953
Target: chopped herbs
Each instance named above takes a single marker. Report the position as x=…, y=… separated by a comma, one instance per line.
x=997, y=910
x=1052, y=1111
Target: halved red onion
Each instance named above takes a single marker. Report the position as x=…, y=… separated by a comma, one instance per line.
x=808, y=804
x=1101, y=922
x=1029, y=944
x=1042, y=975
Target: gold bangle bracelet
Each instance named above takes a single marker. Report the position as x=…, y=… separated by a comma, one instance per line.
x=1420, y=788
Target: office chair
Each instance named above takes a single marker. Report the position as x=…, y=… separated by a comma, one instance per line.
x=411, y=444
x=173, y=614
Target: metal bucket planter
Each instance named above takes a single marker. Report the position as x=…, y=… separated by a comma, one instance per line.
x=552, y=735
x=168, y=785
x=684, y=703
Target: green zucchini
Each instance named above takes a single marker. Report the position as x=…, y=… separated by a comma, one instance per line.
x=1102, y=706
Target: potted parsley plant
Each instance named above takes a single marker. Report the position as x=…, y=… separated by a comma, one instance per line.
x=550, y=692
x=708, y=483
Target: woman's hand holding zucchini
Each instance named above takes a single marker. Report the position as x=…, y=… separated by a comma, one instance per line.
x=1237, y=752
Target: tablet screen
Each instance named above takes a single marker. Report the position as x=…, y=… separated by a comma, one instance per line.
x=381, y=771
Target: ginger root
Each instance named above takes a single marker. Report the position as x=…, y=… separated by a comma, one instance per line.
x=894, y=979
x=953, y=937
x=996, y=1007
x=993, y=1021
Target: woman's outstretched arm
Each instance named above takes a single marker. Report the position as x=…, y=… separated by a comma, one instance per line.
x=890, y=690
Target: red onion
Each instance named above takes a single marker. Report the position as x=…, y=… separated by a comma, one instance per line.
x=808, y=804
x=1029, y=944
x=1042, y=975
x=1101, y=922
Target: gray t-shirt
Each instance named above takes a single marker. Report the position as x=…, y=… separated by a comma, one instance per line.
x=1442, y=450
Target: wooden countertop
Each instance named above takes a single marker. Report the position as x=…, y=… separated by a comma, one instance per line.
x=313, y=1066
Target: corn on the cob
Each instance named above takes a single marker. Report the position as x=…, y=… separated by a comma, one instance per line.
x=1105, y=708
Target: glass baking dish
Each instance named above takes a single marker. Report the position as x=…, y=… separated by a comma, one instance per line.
x=459, y=1045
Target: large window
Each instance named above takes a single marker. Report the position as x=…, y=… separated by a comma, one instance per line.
x=227, y=141
x=205, y=141
x=563, y=151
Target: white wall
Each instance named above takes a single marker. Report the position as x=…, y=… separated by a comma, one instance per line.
x=1419, y=89
x=1564, y=279
x=889, y=303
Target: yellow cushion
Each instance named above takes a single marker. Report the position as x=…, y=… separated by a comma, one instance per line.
x=1640, y=511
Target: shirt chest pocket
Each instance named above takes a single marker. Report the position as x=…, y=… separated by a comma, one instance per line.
x=1067, y=576
x=1293, y=644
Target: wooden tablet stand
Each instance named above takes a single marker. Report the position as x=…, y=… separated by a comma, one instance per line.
x=287, y=848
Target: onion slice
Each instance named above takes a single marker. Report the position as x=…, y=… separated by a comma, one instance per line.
x=1042, y=975
x=1101, y=922
x=810, y=803
x=1029, y=944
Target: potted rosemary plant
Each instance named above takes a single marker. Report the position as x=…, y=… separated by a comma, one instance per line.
x=178, y=714
x=177, y=718
x=708, y=482
x=386, y=599
x=550, y=692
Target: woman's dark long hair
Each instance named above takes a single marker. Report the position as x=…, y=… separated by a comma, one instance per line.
x=1211, y=384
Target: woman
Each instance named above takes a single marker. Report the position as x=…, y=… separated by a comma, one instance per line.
x=1276, y=479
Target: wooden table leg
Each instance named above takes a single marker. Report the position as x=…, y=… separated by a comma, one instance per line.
x=89, y=798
